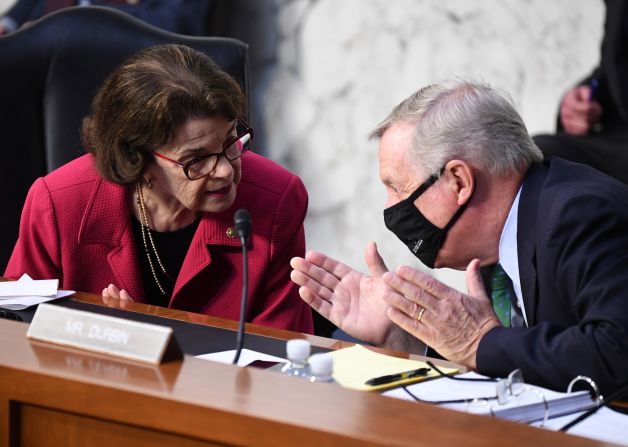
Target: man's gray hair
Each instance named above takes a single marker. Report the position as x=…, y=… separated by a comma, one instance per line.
x=470, y=121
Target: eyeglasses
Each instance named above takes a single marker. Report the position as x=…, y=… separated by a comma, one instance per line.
x=232, y=149
x=516, y=400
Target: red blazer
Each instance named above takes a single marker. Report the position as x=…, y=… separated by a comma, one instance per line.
x=77, y=227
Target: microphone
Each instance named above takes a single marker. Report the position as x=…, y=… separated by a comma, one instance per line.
x=242, y=220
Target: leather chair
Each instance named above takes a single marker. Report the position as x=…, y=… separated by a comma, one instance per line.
x=49, y=72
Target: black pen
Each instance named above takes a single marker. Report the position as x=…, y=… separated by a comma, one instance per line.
x=390, y=378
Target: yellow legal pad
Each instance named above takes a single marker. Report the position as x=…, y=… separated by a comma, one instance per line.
x=355, y=365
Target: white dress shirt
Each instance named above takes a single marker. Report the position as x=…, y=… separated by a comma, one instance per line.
x=508, y=254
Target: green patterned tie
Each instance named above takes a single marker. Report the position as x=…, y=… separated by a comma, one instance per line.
x=500, y=294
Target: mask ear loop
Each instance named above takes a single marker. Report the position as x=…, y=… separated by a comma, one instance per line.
x=417, y=192
x=445, y=229
x=421, y=189
x=456, y=216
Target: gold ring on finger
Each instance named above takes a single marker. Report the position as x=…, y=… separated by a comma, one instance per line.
x=420, y=314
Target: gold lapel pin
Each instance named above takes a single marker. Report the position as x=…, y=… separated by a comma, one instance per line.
x=231, y=232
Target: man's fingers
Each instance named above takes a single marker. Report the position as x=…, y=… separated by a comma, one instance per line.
x=577, y=98
x=409, y=307
x=415, y=297
x=307, y=270
x=426, y=282
x=581, y=105
x=374, y=261
x=576, y=126
x=578, y=112
x=410, y=325
x=305, y=281
x=582, y=93
x=316, y=302
x=336, y=268
x=475, y=284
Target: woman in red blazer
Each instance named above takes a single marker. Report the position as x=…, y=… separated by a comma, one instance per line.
x=147, y=215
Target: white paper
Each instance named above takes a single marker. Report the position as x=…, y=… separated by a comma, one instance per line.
x=22, y=301
x=28, y=301
x=605, y=425
x=246, y=356
x=14, y=289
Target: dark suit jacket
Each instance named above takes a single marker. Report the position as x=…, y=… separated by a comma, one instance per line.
x=572, y=237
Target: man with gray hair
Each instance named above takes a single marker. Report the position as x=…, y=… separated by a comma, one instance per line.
x=467, y=189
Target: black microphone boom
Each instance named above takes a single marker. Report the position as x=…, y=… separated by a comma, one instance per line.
x=242, y=220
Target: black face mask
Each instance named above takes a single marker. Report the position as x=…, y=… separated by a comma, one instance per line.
x=422, y=237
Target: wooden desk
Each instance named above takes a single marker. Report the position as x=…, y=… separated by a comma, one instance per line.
x=51, y=396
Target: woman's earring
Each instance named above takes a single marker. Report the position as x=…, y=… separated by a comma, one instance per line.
x=149, y=183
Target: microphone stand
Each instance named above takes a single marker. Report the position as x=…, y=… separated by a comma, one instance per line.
x=243, y=229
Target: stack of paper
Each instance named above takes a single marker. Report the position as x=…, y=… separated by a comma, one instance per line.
x=26, y=292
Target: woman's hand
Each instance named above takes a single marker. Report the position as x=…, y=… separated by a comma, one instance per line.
x=114, y=297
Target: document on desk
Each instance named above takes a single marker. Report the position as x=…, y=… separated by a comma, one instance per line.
x=246, y=356
x=26, y=286
x=356, y=365
x=26, y=292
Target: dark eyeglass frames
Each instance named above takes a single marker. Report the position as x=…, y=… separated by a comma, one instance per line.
x=232, y=149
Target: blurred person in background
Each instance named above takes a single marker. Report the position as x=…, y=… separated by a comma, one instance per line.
x=189, y=17
x=592, y=124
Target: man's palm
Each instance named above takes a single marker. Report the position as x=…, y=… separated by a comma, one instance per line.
x=357, y=308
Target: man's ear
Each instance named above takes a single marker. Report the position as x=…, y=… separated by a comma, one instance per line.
x=460, y=176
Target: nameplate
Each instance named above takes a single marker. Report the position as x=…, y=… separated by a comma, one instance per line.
x=101, y=333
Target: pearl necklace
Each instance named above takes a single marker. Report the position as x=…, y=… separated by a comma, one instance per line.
x=144, y=224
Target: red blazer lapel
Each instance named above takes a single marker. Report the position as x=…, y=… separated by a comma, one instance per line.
x=107, y=221
x=213, y=229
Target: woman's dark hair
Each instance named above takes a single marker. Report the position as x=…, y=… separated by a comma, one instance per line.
x=143, y=101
